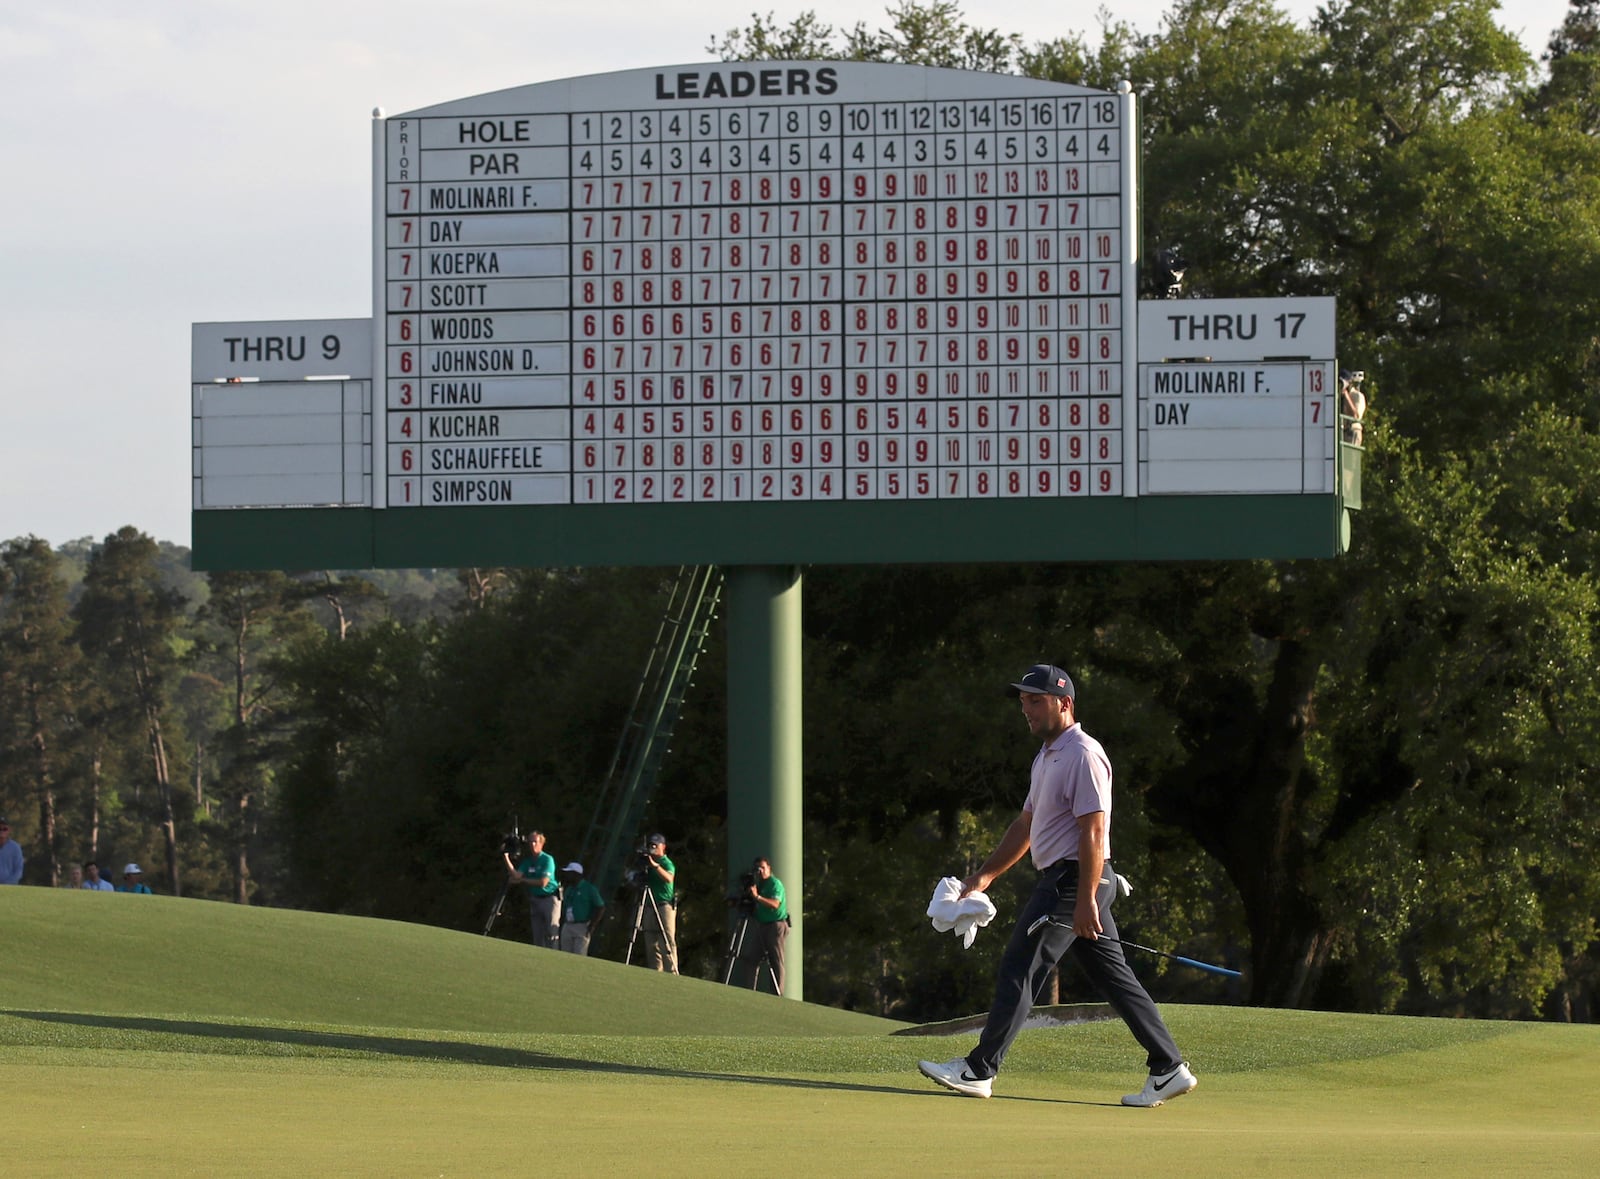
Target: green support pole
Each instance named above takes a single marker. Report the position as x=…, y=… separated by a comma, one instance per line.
x=764, y=747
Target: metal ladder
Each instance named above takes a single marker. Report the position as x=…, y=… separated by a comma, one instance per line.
x=631, y=778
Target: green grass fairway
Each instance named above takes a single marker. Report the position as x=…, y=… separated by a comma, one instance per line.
x=158, y=1037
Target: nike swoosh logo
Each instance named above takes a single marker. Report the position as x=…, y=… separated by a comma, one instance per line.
x=1163, y=1084
x=966, y=1076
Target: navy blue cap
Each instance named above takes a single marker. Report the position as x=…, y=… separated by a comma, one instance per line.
x=1042, y=679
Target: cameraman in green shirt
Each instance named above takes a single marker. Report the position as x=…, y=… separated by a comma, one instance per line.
x=660, y=916
x=537, y=872
x=772, y=916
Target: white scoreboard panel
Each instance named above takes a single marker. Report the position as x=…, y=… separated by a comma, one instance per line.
x=1237, y=428
x=761, y=282
x=1237, y=396
x=281, y=413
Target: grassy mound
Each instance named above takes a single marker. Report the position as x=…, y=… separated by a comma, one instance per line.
x=91, y=953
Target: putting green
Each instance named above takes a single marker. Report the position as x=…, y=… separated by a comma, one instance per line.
x=299, y=1063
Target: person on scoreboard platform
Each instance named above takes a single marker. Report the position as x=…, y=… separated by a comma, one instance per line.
x=1352, y=404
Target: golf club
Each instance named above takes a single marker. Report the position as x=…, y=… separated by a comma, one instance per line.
x=1206, y=966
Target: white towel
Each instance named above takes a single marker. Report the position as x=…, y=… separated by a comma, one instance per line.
x=949, y=910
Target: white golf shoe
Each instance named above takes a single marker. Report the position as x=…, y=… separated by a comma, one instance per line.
x=956, y=1075
x=1159, y=1087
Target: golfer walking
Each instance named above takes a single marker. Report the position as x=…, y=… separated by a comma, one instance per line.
x=1066, y=823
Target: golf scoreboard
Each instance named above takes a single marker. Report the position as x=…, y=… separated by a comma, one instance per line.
x=746, y=312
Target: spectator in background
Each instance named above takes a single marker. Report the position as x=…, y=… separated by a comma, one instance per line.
x=131, y=881
x=582, y=906
x=74, y=876
x=92, y=881
x=11, y=862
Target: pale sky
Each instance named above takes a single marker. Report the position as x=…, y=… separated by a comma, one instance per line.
x=177, y=161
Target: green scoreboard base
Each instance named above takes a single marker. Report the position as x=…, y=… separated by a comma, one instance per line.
x=1148, y=528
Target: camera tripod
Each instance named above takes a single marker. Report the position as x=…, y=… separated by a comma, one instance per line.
x=509, y=844
x=498, y=906
x=646, y=896
x=505, y=890
x=736, y=953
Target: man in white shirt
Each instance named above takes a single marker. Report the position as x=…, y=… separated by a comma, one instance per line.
x=1066, y=823
x=93, y=881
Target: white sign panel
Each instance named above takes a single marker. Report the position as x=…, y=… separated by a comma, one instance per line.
x=1265, y=428
x=281, y=350
x=264, y=444
x=1236, y=329
x=281, y=414
x=748, y=282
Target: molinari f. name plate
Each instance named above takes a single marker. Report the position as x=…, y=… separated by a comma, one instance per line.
x=1237, y=428
x=759, y=282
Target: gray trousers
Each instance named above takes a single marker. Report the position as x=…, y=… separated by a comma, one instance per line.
x=773, y=936
x=1026, y=965
x=575, y=937
x=543, y=913
x=763, y=942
